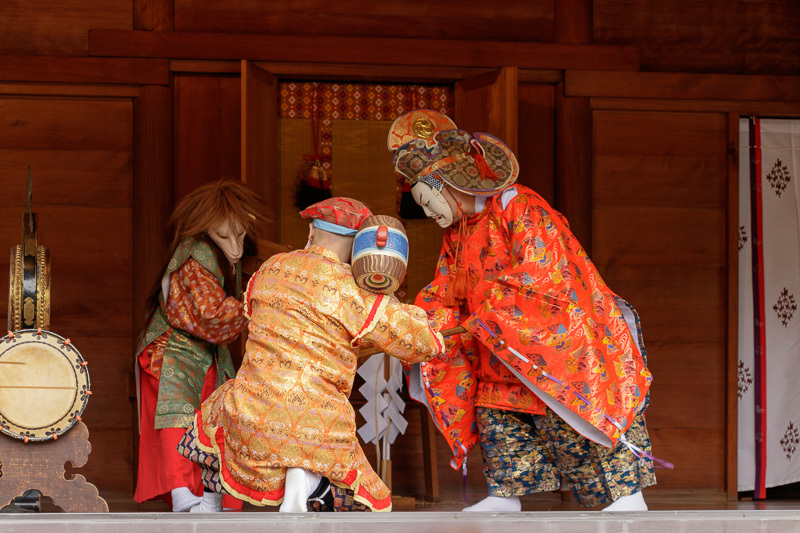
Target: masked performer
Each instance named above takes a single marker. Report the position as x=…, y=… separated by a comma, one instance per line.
x=551, y=375
x=194, y=312
x=284, y=428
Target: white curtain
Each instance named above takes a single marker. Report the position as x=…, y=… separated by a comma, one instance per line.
x=769, y=292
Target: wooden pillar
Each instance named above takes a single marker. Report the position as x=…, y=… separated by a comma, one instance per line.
x=732, y=399
x=574, y=154
x=573, y=179
x=152, y=189
x=151, y=206
x=536, y=152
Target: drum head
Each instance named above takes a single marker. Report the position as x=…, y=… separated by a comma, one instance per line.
x=44, y=385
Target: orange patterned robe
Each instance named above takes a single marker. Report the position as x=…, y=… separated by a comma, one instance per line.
x=543, y=329
x=288, y=405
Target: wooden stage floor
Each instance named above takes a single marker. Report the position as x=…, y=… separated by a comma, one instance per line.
x=546, y=513
x=786, y=499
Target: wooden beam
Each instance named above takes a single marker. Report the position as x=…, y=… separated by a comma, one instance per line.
x=682, y=86
x=71, y=90
x=58, y=69
x=371, y=51
x=193, y=66
x=762, y=109
x=357, y=72
x=530, y=20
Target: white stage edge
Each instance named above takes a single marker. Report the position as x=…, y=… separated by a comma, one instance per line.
x=409, y=522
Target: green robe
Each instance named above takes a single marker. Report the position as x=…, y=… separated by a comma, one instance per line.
x=186, y=358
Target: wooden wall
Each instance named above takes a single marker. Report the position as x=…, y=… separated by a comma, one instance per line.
x=79, y=150
x=750, y=37
x=659, y=227
x=624, y=115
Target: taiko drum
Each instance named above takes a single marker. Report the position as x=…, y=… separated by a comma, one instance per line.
x=380, y=254
x=44, y=385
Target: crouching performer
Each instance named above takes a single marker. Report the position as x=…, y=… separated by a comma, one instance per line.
x=551, y=376
x=283, y=432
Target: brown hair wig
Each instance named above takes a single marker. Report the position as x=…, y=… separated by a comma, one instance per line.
x=200, y=211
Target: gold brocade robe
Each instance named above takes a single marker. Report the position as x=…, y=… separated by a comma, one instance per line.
x=288, y=405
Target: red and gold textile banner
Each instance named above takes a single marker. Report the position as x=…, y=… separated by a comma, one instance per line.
x=327, y=102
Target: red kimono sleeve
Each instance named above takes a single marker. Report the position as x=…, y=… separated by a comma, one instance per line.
x=447, y=384
x=198, y=304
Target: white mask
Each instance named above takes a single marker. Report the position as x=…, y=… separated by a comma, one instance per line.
x=433, y=203
x=229, y=236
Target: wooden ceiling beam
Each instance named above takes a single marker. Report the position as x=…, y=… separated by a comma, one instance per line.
x=358, y=72
x=84, y=70
x=363, y=50
x=682, y=86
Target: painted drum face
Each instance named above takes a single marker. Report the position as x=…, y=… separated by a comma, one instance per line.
x=44, y=385
x=380, y=254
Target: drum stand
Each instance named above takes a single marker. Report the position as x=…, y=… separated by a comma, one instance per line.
x=40, y=466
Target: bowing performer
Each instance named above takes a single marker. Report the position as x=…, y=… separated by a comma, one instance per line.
x=551, y=376
x=283, y=431
x=194, y=312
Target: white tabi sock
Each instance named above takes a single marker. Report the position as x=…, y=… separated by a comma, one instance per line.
x=183, y=499
x=632, y=502
x=300, y=484
x=495, y=504
x=212, y=503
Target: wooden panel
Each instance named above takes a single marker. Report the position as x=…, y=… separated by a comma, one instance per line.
x=431, y=52
x=681, y=86
x=673, y=134
x=57, y=27
x=207, y=137
x=671, y=417
x=259, y=136
x=129, y=71
x=689, y=366
x=109, y=402
x=694, y=471
x=86, y=177
x=754, y=37
x=573, y=20
x=109, y=467
x=683, y=177
x=153, y=15
x=652, y=236
x=521, y=20
x=536, y=152
x=660, y=223
x=488, y=103
x=65, y=124
x=82, y=240
x=678, y=304
x=80, y=151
